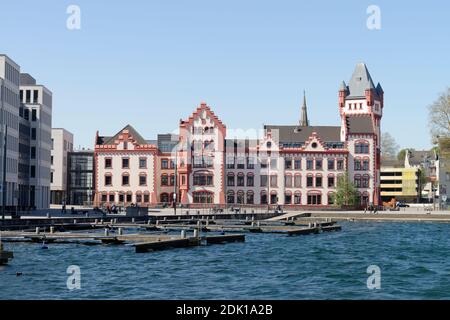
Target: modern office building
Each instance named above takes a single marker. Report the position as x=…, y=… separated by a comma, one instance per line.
x=80, y=178
x=35, y=123
x=62, y=144
x=9, y=124
x=295, y=165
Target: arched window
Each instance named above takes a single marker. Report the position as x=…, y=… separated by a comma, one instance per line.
x=288, y=197
x=240, y=179
x=164, y=179
x=230, y=197
x=230, y=179
x=250, y=197
x=263, y=197
x=365, y=181
x=164, y=197
x=314, y=198
x=240, y=197
x=362, y=147
x=297, y=198
x=358, y=181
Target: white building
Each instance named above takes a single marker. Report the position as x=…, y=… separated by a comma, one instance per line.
x=61, y=145
x=9, y=120
x=36, y=117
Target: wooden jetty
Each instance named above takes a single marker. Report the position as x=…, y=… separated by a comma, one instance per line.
x=141, y=242
x=5, y=256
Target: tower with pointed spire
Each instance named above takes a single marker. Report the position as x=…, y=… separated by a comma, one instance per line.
x=304, y=122
x=361, y=108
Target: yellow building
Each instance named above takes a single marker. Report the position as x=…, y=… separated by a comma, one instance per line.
x=399, y=182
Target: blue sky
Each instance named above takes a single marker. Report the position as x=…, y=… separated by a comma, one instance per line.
x=150, y=63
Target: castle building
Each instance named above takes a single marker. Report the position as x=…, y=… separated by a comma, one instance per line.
x=295, y=165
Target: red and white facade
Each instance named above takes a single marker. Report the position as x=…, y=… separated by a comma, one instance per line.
x=289, y=165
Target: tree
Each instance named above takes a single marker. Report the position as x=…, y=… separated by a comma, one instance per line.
x=345, y=191
x=389, y=147
x=439, y=116
x=402, y=154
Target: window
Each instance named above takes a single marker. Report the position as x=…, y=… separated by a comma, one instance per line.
x=297, y=198
x=250, y=197
x=104, y=197
x=365, y=164
x=28, y=96
x=33, y=152
x=146, y=197
x=125, y=163
x=33, y=115
x=33, y=135
x=263, y=163
x=340, y=164
x=250, y=163
x=241, y=163
x=361, y=148
x=357, y=181
x=273, y=181
x=172, y=180
x=263, y=198
x=111, y=198
x=365, y=181
x=288, y=181
x=51, y=160
x=230, y=162
x=288, y=164
x=129, y=197
x=142, y=180
x=274, y=163
x=35, y=96
x=32, y=171
x=51, y=177
x=318, y=181
x=273, y=198
x=309, y=164
x=287, y=198
x=203, y=179
x=142, y=163
x=250, y=180
x=240, y=180
x=230, y=180
x=230, y=197
x=164, y=164
x=108, y=163
x=331, y=182
x=240, y=197
x=121, y=197
x=309, y=181
x=298, y=181
x=297, y=164
x=263, y=180
x=357, y=164
x=203, y=197
x=164, y=180
x=330, y=164
x=139, y=197
x=319, y=164
x=314, y=199
x=125, y=180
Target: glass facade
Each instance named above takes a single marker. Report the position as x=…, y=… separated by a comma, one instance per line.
x=80, y=178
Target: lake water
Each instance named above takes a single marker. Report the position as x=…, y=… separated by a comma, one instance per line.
x=413, y=259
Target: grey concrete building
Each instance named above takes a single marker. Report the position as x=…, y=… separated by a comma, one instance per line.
x=34, y=143
x=62, y=144
x=9, y=122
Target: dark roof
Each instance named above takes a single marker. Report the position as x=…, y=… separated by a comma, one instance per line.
x=419, y=157
x=131, y=130
x=391, y=162
x=359, y=124
x=288, y=134
x=360, y=82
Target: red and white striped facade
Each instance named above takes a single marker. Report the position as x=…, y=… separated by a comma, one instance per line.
x=288, y=165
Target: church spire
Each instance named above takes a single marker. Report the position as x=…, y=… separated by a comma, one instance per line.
x=304, y=117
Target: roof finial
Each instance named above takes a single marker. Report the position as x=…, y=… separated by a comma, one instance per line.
x=304, y=115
